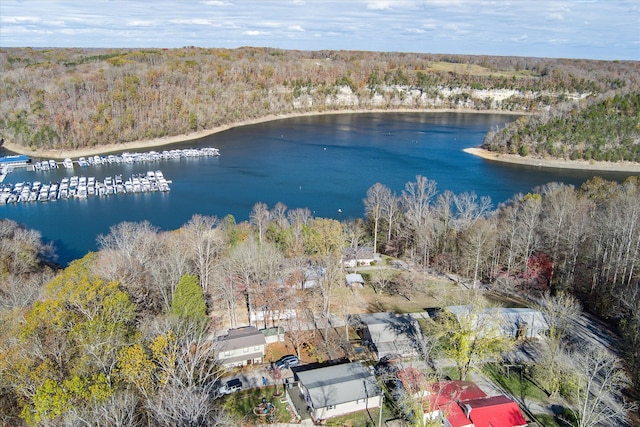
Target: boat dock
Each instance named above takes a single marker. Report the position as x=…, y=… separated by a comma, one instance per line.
x=82, y=187
x=125, y=158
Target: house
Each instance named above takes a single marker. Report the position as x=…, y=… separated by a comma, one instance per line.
x=459, y=403
x=336, y=390
x=353, y=257
x=511, y=322
x=240, y=347
x=496, y=411
x=354, y=280
x=390, y=334
x=439, y=399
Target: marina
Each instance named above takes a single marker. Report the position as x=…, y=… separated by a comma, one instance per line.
x=123, y=158
x=82, y=187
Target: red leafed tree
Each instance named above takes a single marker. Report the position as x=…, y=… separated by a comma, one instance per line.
x=539, y=271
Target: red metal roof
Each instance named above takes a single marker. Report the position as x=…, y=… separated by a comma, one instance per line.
x=455, y=415
x=458, y=390
x=496, y=411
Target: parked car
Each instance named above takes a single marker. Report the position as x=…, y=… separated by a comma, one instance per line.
x=287, y=362
x=230, y=386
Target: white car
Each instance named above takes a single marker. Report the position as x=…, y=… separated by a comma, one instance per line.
x=230, y=386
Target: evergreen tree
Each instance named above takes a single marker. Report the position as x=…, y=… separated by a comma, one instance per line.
x=188, y=300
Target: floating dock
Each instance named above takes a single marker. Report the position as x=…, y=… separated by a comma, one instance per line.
x=82, y=187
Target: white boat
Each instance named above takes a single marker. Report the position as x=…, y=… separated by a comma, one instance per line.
x=67, y=163
x=83, y=162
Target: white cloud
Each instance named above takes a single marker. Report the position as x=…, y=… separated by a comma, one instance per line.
x=216, y=3
x=567, y=28
x=194, y=21
x=20, y=19
x=379, y=5
x=140, y=23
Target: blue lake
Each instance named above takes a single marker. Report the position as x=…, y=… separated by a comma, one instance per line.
x=323, y=163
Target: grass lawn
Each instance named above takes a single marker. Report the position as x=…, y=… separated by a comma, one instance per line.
x=522, y=388
x=241, y=405
x=364, y=418
x=549, y=421
x=518, y=385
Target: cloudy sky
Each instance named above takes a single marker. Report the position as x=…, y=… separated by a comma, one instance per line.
x=593, y=29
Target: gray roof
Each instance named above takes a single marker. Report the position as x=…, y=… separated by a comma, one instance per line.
x=333, y=385
x=390, y=327
x=361, y=252
x=507, y=317
x=354, y=278
x=248, y=336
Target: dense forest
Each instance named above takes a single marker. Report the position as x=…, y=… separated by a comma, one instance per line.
x=73, y=98
x=605, y=129
x=121, y=336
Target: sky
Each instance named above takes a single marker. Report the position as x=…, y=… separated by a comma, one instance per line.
x=587, y=29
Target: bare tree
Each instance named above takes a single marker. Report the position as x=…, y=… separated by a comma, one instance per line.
x=598, y=395
x=206, y=244
x=416, y=204
x=477, y=240
x=373, y=205
x=259, y=218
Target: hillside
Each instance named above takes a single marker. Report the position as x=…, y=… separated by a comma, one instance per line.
x=61, y=99
x=604, y=129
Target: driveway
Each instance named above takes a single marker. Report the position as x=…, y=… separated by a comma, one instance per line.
x=252, y=376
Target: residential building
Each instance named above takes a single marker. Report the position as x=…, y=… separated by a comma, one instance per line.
x=511, y=322
x=336, y=390
x=240, y=347
x=456, y=403
x=390, y=334
x=354, y=257
x=495, y=411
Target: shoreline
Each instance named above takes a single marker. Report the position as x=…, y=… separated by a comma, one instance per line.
x=168, y=140
x=553, y=163
x=476, y=151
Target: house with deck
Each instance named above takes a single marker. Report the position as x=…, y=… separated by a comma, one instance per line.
x=336, y=390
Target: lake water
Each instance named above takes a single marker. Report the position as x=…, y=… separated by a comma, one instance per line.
x=323, y=163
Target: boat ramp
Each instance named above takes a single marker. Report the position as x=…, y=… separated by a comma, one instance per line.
x=82, y=187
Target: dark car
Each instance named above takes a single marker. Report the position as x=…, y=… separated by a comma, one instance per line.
x=287, y=362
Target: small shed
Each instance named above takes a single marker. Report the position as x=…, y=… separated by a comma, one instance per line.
x=354, y=280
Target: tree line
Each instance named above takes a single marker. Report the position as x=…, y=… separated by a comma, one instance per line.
x=77, y=98
x=122, y=334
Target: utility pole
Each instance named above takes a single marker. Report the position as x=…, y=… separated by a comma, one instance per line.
x=381, y=405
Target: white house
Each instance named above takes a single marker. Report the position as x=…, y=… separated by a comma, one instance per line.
x=391, y=334
x=240, y=347
x=339, y=389
x=353, y=257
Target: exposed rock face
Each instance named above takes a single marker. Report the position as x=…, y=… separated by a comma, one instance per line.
x=433, y=97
